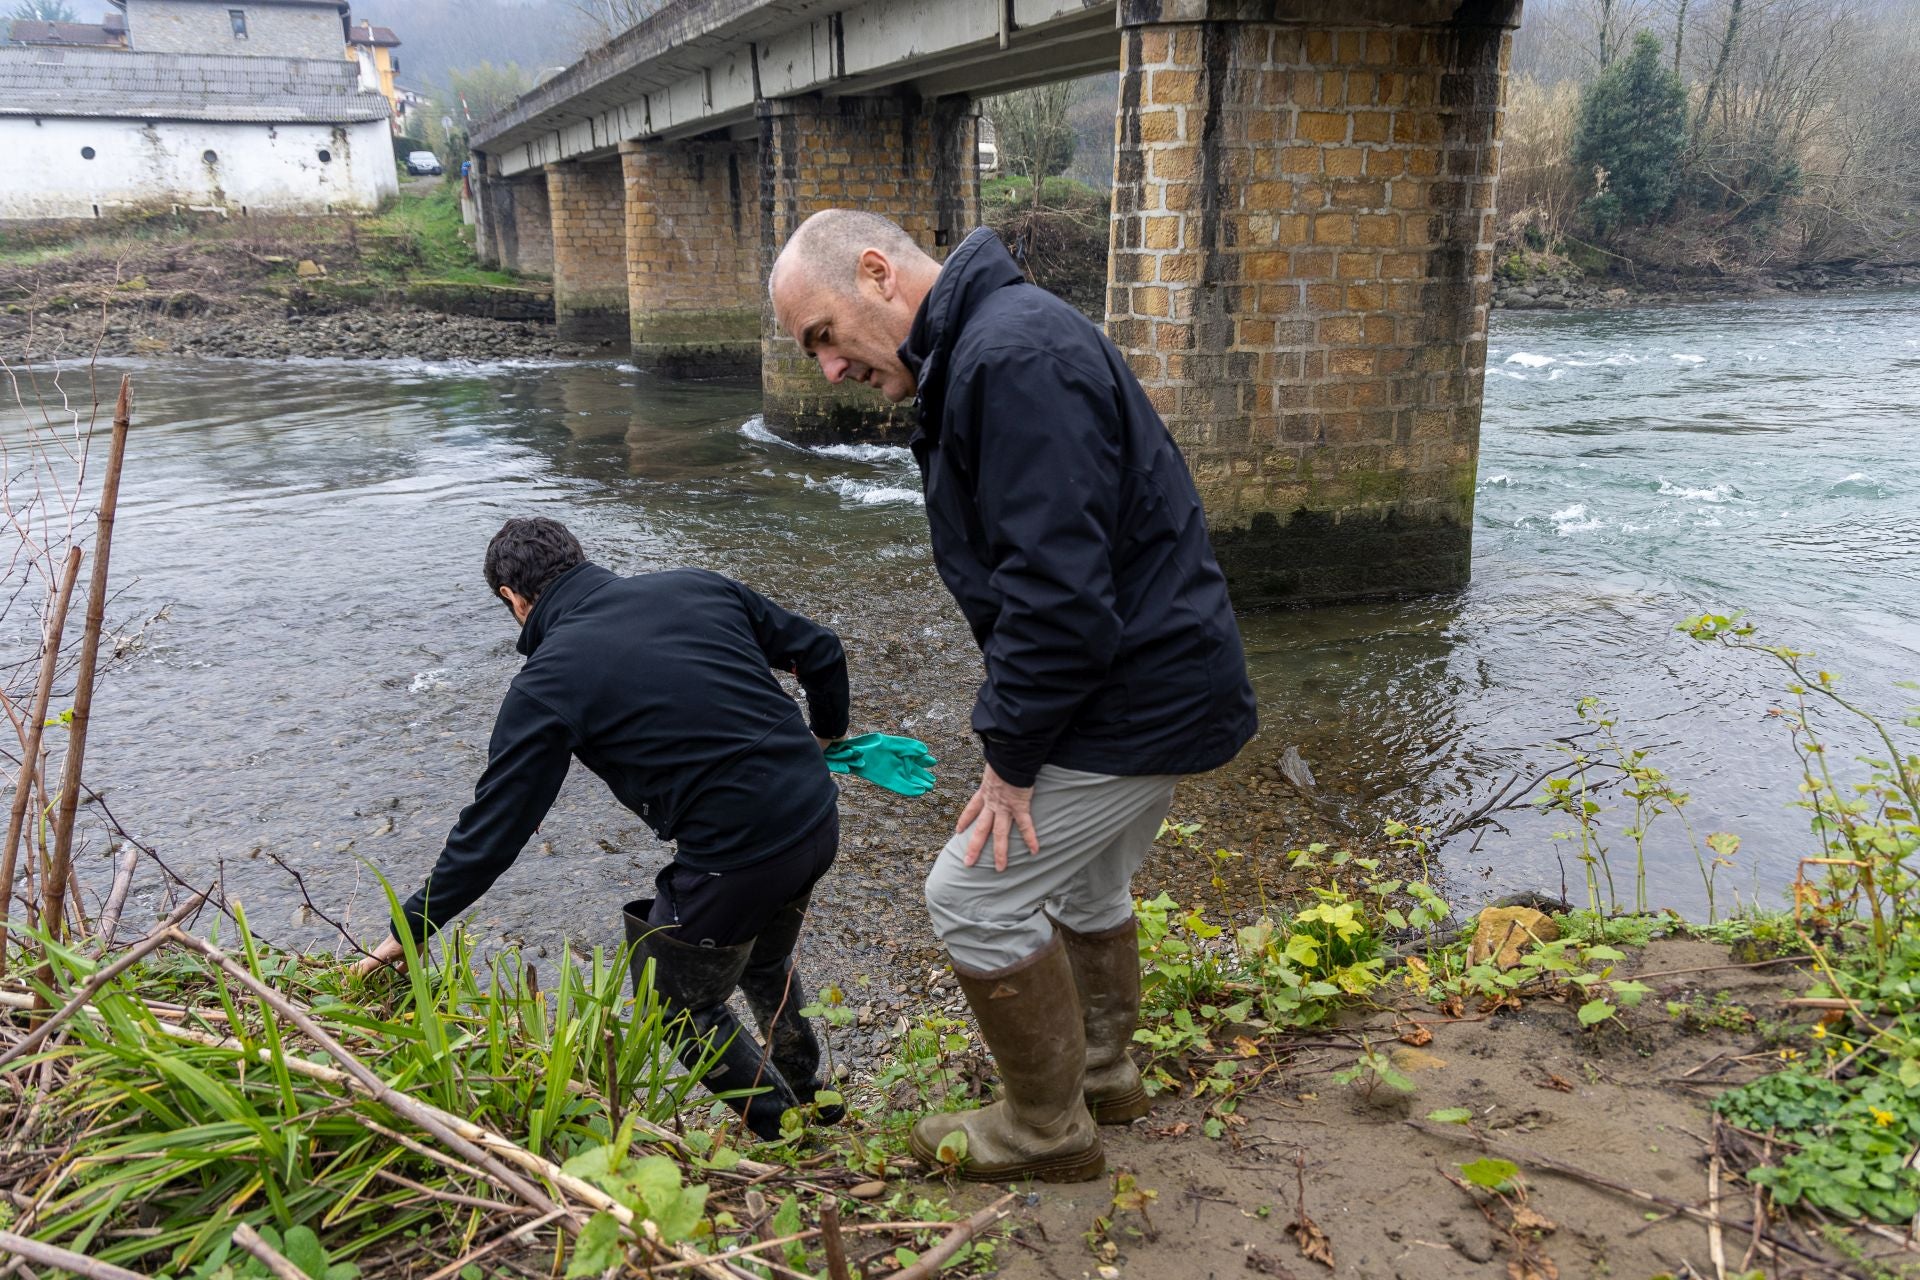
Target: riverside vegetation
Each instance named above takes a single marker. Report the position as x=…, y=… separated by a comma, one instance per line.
x=202, y=1103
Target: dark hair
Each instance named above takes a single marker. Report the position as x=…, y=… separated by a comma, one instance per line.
x=529, y=554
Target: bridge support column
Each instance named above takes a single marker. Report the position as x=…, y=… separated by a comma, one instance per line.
x=693, y=256
x=588, y=204
x=914, y=162
x=1300, y=273
x=513, y=223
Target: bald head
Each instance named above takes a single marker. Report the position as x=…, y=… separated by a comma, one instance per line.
x=846, y=287
x=827, y=248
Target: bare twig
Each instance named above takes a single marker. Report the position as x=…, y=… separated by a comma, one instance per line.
x=935, y=1258
x=109, y=922
x=67, y=1260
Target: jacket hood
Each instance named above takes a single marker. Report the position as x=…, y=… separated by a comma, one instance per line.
x=559, y=599
x=977, y=267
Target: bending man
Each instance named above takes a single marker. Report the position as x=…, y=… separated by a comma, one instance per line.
x=1067, y=527
x=662, y=685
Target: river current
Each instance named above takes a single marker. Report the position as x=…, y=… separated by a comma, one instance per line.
x=323, y=670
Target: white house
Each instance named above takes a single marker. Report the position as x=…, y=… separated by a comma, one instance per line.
x=244, y=106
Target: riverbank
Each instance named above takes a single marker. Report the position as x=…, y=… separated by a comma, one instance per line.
x=402, y=284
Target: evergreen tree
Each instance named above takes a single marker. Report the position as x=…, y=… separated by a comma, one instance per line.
x=1632, y=129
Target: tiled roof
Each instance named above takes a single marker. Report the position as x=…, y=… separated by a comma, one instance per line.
x=94, y=34
x=180, y=86
x=367, y=34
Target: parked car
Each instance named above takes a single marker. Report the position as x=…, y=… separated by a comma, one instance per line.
x=423, y=162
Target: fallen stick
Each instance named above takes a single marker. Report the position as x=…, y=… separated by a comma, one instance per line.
x=30, y=748
x=67, y=1260
x=933, y=1259
x=271, y=1258
x=1492, y=1147
x=54, y=886
x=479, y=1146
x=109, y=922
x=161, y=934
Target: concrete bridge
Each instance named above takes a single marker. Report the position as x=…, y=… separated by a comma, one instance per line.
x=1300, y=252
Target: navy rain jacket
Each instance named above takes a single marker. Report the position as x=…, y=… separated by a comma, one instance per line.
x=662, y=685
x=1066, y=525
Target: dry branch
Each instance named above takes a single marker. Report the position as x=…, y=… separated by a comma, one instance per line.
x=30, y=749
x=54, y=891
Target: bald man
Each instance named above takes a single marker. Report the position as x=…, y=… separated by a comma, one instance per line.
x=1067, y=527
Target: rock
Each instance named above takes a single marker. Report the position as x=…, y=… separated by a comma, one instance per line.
x=1504, y=932
x=867, y=1190
x=1294, y=769
x=309, y=269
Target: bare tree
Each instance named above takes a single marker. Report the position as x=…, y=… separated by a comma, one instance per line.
x=1031, y=128
x=605, y=19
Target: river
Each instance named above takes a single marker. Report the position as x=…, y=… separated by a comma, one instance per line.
x=322, y=674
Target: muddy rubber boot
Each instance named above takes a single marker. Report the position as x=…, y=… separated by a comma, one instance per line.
x=693, y=984
x=1029, y=1016
x=1106, y=972
x=776, y=993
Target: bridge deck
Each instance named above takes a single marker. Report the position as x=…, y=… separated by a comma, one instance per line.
x=699, y=66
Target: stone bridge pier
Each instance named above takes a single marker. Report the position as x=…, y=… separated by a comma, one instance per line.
x=914, y=161
x=588, y=200
x=512, y=220
x=1300, y=267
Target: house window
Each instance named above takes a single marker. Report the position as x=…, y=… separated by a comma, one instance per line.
x=239, y=19
x=393, y=64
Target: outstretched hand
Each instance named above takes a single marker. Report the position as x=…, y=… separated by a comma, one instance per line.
x=389, y=952
x=995, y=812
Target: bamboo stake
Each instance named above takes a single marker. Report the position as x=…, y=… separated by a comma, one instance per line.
x=54, y=890
x=30, y=747
x=67, y=1260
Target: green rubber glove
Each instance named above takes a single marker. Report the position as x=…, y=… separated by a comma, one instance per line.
x=900, y=765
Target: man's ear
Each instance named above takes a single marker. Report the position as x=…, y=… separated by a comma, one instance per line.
x=877, y=271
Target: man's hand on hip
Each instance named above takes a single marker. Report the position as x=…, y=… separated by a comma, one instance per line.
x=387, y=953
x=995, y=812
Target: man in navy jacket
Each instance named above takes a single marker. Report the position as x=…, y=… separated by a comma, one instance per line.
x=1067, y=527
x=663, y=686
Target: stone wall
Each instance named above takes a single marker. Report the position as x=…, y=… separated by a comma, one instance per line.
x=278, y=30
x=694, y=277
x=587, y=201
x=1300, y=274
x=910, y=161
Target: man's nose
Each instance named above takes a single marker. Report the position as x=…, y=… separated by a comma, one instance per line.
x=835, y=367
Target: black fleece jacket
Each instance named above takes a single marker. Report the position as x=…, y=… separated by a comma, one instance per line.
x=662, y=685
x=1066, y=525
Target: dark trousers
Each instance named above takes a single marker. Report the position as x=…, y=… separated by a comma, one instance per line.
x=724, y=908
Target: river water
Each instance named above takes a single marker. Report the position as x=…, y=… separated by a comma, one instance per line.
x=321, y=679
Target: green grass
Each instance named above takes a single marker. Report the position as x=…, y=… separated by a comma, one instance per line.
x=440, y=243
x=1008, y=192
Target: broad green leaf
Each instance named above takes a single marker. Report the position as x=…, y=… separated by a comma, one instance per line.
x=953, y=1147
x=1594, y=1011
x=598, y=1247
x=1491, y=1173
x=1450, y=1115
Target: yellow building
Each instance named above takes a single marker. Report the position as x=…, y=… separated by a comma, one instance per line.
x=372, y=48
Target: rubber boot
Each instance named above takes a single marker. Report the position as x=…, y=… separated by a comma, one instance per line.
x=1106, y=973
x=693, y=984
x=776, y=993
x=1029, y=1016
